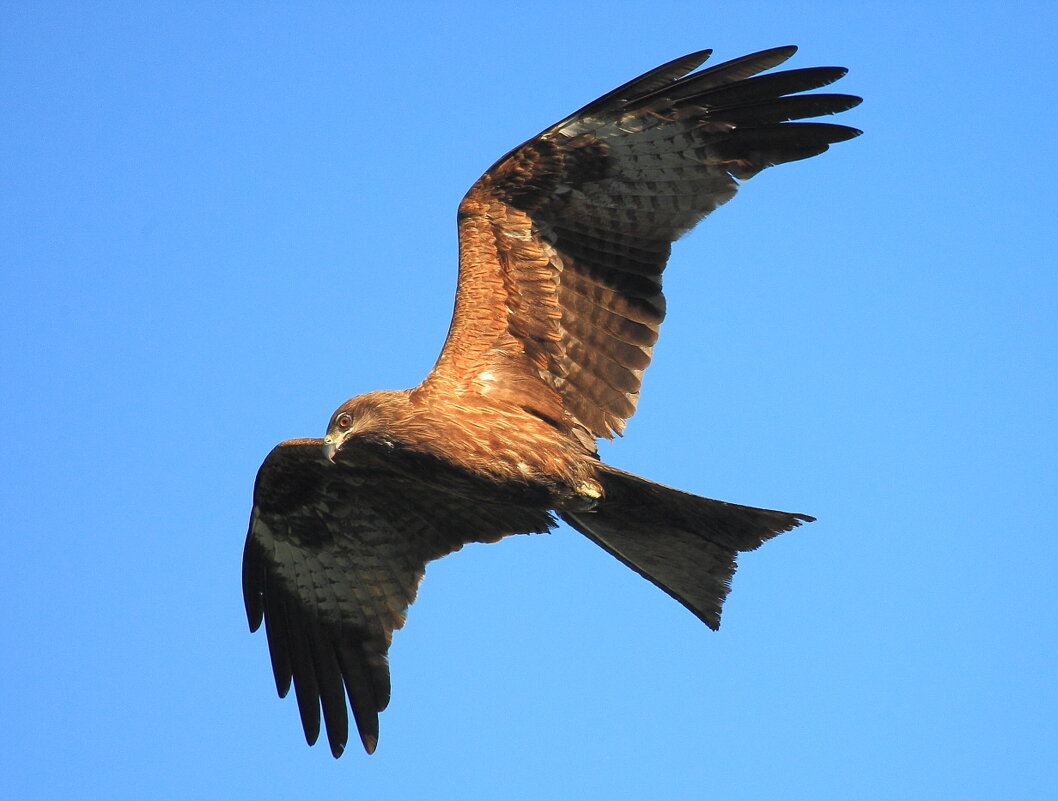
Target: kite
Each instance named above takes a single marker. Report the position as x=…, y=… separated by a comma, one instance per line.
x=562, y=244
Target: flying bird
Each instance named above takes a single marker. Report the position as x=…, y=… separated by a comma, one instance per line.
x=562, y=243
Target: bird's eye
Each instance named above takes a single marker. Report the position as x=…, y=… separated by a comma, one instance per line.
x=344, y=420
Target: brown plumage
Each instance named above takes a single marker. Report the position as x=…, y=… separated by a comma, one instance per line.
x=561, y=248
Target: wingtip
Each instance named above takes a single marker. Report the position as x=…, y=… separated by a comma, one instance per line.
x=835, y=133
x=774, y=56
x=848, y=102
x=370, y=743
x=367, y=728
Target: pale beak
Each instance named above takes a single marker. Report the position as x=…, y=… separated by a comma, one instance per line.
x=330, y=449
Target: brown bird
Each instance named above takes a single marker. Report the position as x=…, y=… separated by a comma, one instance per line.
x=561, y=248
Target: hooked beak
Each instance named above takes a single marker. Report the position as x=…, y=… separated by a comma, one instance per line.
x=330, y=449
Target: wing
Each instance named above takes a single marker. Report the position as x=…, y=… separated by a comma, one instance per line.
x=563, y=241
x=333, y=559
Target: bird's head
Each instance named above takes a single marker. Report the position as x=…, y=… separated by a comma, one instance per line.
x=365, y=419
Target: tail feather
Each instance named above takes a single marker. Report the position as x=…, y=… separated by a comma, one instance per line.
x=684, y=544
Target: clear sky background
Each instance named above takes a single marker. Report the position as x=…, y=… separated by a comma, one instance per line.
x=220, y=220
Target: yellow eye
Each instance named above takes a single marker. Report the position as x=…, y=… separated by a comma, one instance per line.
x=344, y=420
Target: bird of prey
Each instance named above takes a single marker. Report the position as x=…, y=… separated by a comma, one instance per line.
x=562, y=243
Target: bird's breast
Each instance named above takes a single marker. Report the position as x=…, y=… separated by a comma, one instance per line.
x=509, y=449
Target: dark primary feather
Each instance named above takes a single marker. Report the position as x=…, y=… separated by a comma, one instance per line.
x=642, y=86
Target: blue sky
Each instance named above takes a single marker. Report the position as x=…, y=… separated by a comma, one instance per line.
x=217, y=222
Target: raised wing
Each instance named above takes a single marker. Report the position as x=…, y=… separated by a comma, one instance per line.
x=563, y=241
x=333, y=559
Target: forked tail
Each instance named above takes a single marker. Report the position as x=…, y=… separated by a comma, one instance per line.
x=683, y=543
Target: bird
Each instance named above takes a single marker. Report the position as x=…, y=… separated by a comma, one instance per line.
x=562, y=244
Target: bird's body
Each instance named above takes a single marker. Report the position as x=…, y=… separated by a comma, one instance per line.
x=492, y=441
x=562, y=246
